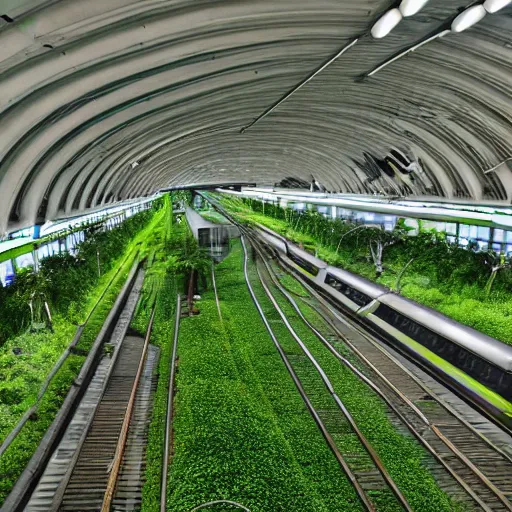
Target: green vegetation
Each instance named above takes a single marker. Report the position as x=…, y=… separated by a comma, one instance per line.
x=66, y=281
x=241, y=429
x=406, y=461
x=40, y=351
x=162, y=337
x=160, y=290
x=172, y=255
x=213, y=216
x=425, y=268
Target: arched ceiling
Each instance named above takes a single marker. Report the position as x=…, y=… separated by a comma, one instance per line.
x=105, y=100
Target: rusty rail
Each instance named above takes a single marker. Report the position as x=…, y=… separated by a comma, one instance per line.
x=116, y=466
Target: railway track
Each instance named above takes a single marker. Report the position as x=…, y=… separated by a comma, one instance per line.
x=361, y=464
x=94, y=477
x=480, y=468
x=99, y=463
x=468, y=464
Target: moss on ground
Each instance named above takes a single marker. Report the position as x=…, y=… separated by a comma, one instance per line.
x=241, y=429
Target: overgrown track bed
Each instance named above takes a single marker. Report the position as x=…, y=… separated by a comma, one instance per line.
x=354, y=452
x=241, y=430
x=102, y=444
x=479, y=465
x=481, y=468
x=89, y=479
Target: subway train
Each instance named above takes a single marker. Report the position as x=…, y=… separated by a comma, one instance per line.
x=476, y=366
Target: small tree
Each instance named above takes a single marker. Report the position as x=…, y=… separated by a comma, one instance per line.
x=496, y=262
x=379, y=240
x=193, y=260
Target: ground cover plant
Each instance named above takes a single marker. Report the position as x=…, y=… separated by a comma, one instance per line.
x=172, y=254
x=241, y=429
x=24, y=373
x=458, y=282
x=406, y=461
x=163, y=279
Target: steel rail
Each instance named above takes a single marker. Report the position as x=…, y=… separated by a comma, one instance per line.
x=328, y=304
x=121, y=444
x=170, y=410
x=332, y=445
x=463, y=458
x=383, y=396
x=362, y=438
x=433, y=428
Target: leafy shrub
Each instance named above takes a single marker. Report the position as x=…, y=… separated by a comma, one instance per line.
x=443, y=276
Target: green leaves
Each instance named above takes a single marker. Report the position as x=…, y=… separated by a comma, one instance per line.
x=241, y=430
x=443, y=276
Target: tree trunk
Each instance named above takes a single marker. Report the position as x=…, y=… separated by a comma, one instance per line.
x=401, y=274
x=377, y=257
x=490, y=281
x=190, y=296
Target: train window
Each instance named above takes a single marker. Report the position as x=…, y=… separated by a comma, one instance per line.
x=480, y=369
x=354, y=295
x=306, y=265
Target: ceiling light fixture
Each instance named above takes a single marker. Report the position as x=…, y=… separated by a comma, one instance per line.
x=492, y=6
x=468, y=18
x=411, y=7
x=386, y=23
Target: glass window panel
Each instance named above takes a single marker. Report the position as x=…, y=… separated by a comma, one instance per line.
x=440, y=226
x=473, y=231
x=25, y=260
x=484, y=233
x=451, y=228
x=6, y=273
x=43, y=252
x=499, y=235
x=496, y=247
x=509, y=236
x=451, y=239
x=464, y=230
x=483, y=246
x=463, y=242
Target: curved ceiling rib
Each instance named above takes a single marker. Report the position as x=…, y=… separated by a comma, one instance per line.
x=107, y=100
